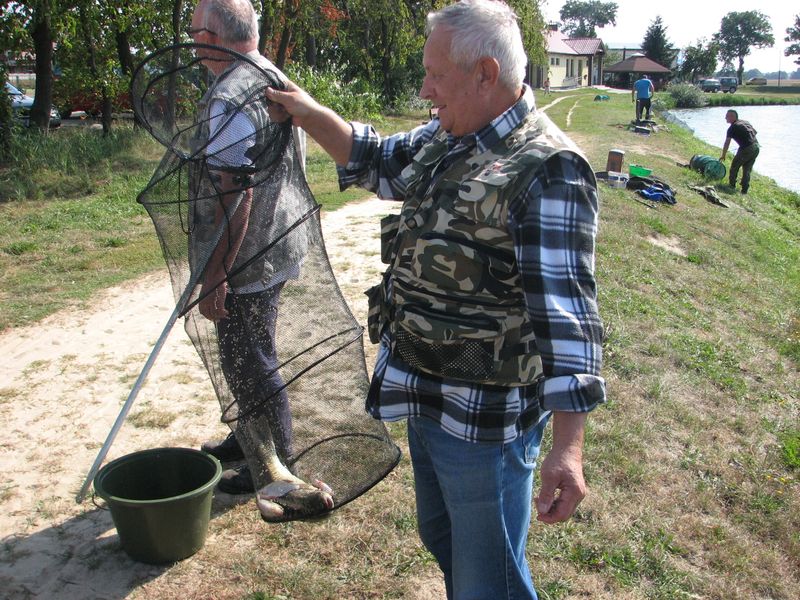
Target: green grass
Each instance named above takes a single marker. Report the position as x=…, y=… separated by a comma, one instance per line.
x=693, y=465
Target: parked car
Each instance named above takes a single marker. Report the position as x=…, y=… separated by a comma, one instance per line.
x=756, y=81
x=728, y=84
x=21, y=106
x=709, y=85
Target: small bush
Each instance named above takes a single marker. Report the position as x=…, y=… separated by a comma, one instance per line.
x=686, y=95
x=736, y=100
x=353, y=99
x=790, y=448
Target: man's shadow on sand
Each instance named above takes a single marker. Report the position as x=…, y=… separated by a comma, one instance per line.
x=80, y=558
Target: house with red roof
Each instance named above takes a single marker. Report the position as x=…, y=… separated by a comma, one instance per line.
x=572, y=62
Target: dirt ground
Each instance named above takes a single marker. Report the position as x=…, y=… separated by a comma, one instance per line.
x=63, y=382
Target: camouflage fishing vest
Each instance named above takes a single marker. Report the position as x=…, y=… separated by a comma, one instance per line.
x=273, y=211
x=452, y=294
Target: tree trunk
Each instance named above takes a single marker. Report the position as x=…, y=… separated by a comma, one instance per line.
x=311, y=50
x=265, y=26
x=283, y=48
x=124, y=51
x=88, y=39
x=42, y=35
x=177, y=9
x=126, y=62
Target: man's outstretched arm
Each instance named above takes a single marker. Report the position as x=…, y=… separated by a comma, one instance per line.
x=331, y=131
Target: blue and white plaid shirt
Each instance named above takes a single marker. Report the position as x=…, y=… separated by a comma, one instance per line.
x=553, y=224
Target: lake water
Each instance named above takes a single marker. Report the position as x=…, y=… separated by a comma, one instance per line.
x=778, y=130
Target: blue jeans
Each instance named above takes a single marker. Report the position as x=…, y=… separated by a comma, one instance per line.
x=474, y=509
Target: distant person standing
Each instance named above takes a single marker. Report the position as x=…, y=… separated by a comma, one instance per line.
x=547, y=86
x=642, y=93
x=744, y=134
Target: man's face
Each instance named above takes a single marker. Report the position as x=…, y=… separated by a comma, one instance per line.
x=450, y=89
x=730, y=117
x=201, y=34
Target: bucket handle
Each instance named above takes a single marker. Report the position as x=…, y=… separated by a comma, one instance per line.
x=94, y=501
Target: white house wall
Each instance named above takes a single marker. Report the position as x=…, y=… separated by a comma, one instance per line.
x=567, y=71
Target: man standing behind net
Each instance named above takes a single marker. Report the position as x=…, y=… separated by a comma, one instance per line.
x=489, y=319
x=642, y=93
x=744, y=134
x=245, y=306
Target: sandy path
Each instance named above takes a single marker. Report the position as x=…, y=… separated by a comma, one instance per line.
x=62, y=384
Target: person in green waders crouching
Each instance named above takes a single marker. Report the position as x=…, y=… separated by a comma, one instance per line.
x=744, y=134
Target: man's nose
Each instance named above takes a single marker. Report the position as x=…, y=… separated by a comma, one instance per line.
x=424, y=91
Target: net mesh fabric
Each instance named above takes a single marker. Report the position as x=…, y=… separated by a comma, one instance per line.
x=231, y=207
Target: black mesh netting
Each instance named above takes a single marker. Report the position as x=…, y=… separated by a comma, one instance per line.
x=232, y=210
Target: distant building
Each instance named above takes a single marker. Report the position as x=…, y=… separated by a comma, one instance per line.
x=624, y=73
x=18, y=62
x=572, y=62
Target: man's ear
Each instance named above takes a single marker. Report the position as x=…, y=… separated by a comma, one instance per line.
x=488, y=71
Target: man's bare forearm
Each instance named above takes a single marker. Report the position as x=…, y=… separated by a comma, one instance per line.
x=328, y=129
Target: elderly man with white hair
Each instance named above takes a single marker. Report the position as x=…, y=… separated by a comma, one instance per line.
x=487, y=316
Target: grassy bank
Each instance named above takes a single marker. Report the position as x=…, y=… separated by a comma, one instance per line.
x=693, y=464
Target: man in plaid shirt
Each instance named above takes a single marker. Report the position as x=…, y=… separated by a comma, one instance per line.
x=475, y=423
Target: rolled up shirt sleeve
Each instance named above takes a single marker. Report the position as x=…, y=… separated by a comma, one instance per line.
x=553, y=223
x=376, y=163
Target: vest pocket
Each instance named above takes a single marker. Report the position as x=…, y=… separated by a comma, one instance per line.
x=390, y=224
x=447, y=345
x=377, y=312
x=470, y=360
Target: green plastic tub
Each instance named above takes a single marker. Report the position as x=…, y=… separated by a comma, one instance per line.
x=639, y=171
x=160, y=501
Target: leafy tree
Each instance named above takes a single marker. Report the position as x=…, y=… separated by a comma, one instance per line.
x=793, y=35
x=33, y=25
x=582, y=17
x=699, y=60
x=739, y=31
x=656, y=46
x=532, y=25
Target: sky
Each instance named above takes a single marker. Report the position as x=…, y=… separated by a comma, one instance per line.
x=687, y=21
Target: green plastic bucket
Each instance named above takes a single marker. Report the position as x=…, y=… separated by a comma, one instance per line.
x=160, y=501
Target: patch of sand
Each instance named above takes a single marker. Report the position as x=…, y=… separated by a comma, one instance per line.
x=62, y=384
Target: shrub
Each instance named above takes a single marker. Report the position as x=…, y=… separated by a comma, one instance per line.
x=790, y=448
x=737, y=100
x=353, y=99
x=686, y=95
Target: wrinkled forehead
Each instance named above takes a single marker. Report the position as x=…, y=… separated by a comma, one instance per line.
x=199, y=15
x=438, y=47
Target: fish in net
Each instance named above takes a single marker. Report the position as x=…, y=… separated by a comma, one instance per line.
x=240, y=232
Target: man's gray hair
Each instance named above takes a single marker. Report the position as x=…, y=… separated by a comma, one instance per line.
x=483, y=28
x=232, y=20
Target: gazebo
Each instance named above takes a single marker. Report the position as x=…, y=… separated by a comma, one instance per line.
x=624, y=73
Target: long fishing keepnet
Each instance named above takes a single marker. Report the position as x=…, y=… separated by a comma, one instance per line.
x=240, y=229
